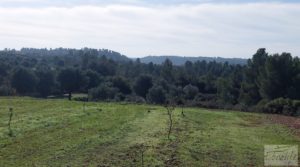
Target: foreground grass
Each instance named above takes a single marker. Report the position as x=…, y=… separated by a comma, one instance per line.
x=63, y=133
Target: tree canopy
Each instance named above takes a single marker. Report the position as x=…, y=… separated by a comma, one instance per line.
x=106, y=75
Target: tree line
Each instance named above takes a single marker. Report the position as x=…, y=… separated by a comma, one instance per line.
x=267, y=83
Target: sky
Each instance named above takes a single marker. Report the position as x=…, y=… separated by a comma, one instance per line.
x=138, y=28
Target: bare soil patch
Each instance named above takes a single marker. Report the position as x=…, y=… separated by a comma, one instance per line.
x=291, y=122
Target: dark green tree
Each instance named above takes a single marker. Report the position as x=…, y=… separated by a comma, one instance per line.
x=250, y=85
x=156, y=95
x=104, y=66
x=225, y=89
x=103, y=92
x=71, y=80
x=167, y=70
x=276, y=76
x=24, y=81
x=122, y=84
x=142, y=85
x=94, y=79
x=46, y=82
x=294, y=88
x=190, y=91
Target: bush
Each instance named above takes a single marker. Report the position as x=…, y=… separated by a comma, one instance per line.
x=94, y=79
x=24, y=81
x=103, y=92
x=80, y=98
x=282, y=106
x=6, y=91
x=205, y=97
x=296, y=104
x=204, y=104
x=142, y=85
x=119, y=97
x=190, y=91
x=135, y=99
x=240, y=107
x=122, y=84
x=156, y=95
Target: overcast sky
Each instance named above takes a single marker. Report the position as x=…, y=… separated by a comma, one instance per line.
x=224, y=28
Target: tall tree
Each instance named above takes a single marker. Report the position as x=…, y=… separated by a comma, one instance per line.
x=190, y=91
x=156, y=95
x=122, y=84
x=142, y=85
x=250, y=86
x=71, y=80
x=24, y=81
x=276, y=76
x=94, y=79
x=294, y=88
x=167, y=70
x=46, y=82
x=225, y=90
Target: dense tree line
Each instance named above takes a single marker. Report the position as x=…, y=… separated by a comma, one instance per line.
x=269, y=83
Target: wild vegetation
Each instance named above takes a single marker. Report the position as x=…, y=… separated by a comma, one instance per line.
x=267, y=83
x=59, y=132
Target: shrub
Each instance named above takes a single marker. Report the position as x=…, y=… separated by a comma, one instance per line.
x=134, y=99
x=240, y=107
x=205, y=97
x=296, y=104
x=122, y=84
x=156, y=95
x=282, y=106
x=94, y=79
x=6, y=91
x=142, y=85
x=205, y=104
x=190, y=91
x=24, y=81
x=80, y=98
x=103, y=92
x=119, y=97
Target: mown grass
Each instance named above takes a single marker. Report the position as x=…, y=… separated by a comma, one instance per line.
x=61, y=133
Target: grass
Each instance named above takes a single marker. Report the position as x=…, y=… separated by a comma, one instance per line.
x=60, y=133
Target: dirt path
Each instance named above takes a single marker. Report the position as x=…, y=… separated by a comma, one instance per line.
x=179, y=132
x=291, y=122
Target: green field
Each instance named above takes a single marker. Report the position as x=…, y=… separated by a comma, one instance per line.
x=63, y=133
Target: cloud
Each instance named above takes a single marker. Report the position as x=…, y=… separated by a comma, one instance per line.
x=230, y=30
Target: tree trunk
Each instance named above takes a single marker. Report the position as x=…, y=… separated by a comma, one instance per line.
x=171, y=123
x=70, y=96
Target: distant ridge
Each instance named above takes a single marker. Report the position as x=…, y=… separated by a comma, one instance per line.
x=116, y=56
x=113, y=55
x=179, y=60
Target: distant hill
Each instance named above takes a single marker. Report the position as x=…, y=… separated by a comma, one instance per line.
x=178, y=60
x=116, y=56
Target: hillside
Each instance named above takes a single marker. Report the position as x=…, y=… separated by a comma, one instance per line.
x=116, y=56
x=268, y=78
x=180, y=60
x=69, y=133
x=33, y=52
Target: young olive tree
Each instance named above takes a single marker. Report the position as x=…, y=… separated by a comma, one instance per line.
x=170, y=107
x=10, y=132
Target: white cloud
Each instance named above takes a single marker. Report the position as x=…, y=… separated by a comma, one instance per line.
x=230, y=30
